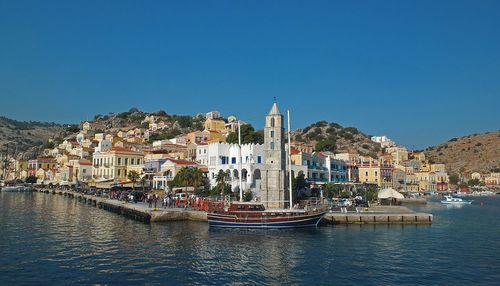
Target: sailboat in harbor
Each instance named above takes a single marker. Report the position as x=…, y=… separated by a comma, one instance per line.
x=272, y=211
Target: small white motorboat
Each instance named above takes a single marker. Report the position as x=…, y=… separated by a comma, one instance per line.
x=455, y=201
x=16, y=189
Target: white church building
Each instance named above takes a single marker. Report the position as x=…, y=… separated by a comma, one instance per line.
x=225, y=157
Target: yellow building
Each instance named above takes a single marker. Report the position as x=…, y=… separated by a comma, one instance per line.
x=438, y=168
x=379, y=172
x=218, y=125
x=420, y=156
x=195, y=137
x=115, y=164
x=399, y=154
x=214, y=136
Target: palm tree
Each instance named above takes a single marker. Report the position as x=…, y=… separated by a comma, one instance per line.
x=143, y=182
x=197, y=178
x=181, y=179
x=134, y=177
x=220, y=179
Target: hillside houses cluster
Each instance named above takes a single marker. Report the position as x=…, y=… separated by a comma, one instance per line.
x=102, y=157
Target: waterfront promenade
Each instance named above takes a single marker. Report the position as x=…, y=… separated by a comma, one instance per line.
x=138, y=211
x=142, y=212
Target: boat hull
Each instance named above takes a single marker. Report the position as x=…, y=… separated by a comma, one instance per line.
x=457, y=203
x=231, y=221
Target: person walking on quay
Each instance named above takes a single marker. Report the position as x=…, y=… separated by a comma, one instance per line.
x=150, y=201
x=155, y=199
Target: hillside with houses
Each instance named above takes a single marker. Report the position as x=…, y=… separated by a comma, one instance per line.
x=151, y=149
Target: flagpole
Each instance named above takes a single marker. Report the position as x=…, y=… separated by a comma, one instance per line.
x=239, y=165
x=290, y=161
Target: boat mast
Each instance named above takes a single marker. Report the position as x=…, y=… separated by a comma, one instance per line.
x=289, y=161
x=239, y=164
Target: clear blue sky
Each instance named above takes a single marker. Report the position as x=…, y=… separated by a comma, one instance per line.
x=420, y=72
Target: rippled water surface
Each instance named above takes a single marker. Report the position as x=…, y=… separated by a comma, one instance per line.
x=53, y=240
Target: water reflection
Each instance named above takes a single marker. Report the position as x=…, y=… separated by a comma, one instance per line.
x=56, y=240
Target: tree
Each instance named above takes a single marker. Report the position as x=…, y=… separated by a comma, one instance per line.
x=371, y=195
x=299, y=183
x=49, y=145
x=248, y=135
x=331, y=190
x=161, y=113
x=73, y=128
x=143, y=182
x=133, y=110
x=247, y=196
x=185, y=121
x=327, y=144
x=473, y=182
x=31, y=180
x=189, y=176
x=134, y=177
x=454, y=179
x=221, y=187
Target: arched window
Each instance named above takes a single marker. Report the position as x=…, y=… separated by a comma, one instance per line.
x=272, y=122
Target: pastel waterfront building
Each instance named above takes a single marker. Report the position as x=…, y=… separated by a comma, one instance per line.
x=493, y=179
x=376, y=171
x=352, y=160
x=315, y=166
x=82, y=170
x=113, y=165
x=337, y=169
x=45, y=163
x=478, y=176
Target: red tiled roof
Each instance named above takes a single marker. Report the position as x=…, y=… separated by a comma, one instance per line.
x=321, y=154
x=85, y=162
x=294, y=151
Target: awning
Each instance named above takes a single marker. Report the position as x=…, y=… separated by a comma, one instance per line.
x=389, y=193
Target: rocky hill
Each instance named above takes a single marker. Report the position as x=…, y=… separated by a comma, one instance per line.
x=27, y=137
x=333, y=137
x=472, y=153
x=175, y=124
